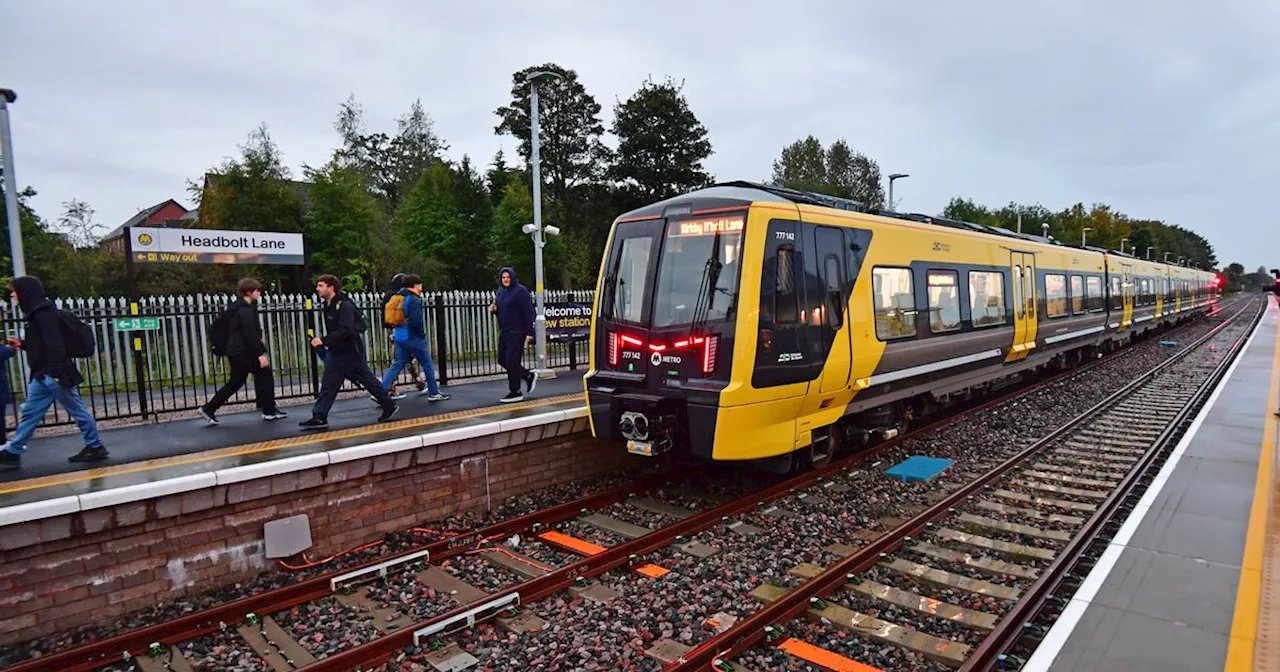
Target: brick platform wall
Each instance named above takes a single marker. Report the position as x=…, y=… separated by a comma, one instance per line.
x=63, y=572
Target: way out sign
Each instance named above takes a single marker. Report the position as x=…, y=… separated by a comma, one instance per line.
x=211, y=246
x=136, y=323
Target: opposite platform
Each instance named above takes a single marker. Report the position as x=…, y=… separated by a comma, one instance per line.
x=1178, y=587
x=158, y=459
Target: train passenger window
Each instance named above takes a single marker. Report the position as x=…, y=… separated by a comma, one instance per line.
x=835, y=297
x=786, y=297
x=894, y=302
x=1077, y=295
x=986, y=298
x=944, y=301
x=1093, y=294
x=1117, y=298
x=1055, y=295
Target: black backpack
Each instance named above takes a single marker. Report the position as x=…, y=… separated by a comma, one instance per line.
x=77, y=337
x=220, y=332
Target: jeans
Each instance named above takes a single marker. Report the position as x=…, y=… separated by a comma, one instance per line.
x=40, y=396
x=264, y=386
x=341, y=367
x=510, y=352
x=405, y=351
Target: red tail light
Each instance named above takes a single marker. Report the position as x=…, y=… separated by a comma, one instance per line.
x=709, y=354
x=613, y=349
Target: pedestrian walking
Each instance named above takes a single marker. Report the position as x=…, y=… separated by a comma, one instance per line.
x=51, y=340
x=514, y=307
x=237, y=335
x=393, y=296
x=344, y=358
x=410, y=338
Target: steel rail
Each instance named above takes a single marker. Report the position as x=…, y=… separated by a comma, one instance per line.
x=747, y=632
x=992, y=649
x=94, y=655
x=631, y=552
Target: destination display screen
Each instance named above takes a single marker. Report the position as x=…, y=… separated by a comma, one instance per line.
x=707, y=227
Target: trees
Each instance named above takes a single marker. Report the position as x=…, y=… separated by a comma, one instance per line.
x=429, y=222
x=509, y=246
x=344, y=215
x=836, y=171
x=661, y=144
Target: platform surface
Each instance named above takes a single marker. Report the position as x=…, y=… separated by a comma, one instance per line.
x=1179, y=584
x=157, y=451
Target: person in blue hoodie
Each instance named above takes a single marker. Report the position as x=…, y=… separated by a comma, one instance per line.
x=514, y=308
x=411, y=341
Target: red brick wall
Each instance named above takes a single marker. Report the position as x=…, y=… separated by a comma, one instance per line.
x=63, y=572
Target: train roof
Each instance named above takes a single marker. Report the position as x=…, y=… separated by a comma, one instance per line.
x=742, y=192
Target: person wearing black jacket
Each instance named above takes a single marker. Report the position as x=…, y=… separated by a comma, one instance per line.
x=248, y=356
x=513, y=305
x=54, y=376
x=344, y=358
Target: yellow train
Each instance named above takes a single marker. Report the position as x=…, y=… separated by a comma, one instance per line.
x=752, y=322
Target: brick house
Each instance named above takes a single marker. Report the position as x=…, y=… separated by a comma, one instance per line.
x=167, y=214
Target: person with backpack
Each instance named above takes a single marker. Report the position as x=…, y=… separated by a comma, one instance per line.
x=514, y=307
x=410, y=338
x=237, y=335
x=344, y=357
x=52, y=338
x=393, y=300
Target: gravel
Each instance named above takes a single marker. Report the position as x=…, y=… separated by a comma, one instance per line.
x=223, y=651
x=326, y=626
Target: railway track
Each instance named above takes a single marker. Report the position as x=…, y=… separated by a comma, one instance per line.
x=428, y=599
x=979, y=573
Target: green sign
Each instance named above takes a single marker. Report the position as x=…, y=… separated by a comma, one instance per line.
x=137, y=324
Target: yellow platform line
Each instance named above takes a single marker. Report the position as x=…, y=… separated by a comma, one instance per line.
x=1244, y=623
x=274, y=444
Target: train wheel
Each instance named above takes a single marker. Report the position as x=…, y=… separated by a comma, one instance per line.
x=819, y=451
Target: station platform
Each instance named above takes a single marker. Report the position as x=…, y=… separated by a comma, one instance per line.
x=1192, y=579
x=151, y=460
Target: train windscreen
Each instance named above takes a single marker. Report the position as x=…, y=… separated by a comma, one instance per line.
x=698, y=271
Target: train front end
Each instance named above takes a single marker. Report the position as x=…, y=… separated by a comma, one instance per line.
x=662, y=337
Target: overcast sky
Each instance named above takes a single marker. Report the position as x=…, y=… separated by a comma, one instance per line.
x=1163, y=110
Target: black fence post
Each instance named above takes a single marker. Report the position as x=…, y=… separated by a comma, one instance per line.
x=442, y=344
x=573, y=355
x=312, y=359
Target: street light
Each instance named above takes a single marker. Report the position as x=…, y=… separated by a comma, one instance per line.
x=536, y=229
x=1084, y=233
x=1149, y=248
x=1122, y=242
x=1166, y=257
x=11, y=185
x=1045, y=228
x=893, y=177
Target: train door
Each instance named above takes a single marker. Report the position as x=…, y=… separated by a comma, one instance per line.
x=1023, y=267
x=833, y=312
x=1127, y=287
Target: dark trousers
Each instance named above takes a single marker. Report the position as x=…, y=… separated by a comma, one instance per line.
x=264, y=385
x=510, y=352
x=342, y=367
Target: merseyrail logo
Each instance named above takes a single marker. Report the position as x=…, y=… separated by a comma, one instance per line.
x=144, y=239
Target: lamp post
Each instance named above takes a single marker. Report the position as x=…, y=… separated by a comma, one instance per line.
x=1084, y=233
x=1122, y=242
x=1045, y=228
x=1149, y=248
x=11, y=185
x=1166, y=257
x=536, y=229
x=893, y=177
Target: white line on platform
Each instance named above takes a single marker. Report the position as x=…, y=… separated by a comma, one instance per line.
x=1058, y=635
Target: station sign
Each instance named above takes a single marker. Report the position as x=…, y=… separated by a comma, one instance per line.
x=211, y=246
x=569, y=321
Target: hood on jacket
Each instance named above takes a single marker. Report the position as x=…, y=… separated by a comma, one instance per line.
x=507, y=269
x=30, y=293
